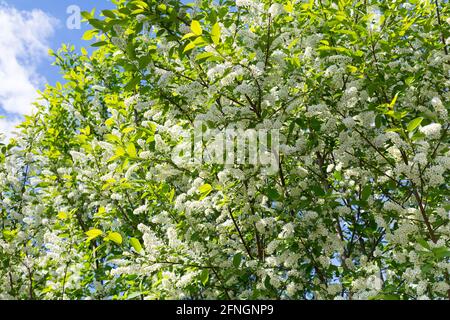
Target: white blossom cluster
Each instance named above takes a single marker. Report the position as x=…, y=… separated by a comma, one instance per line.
x=93, y=206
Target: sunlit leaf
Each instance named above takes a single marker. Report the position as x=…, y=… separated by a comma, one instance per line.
x=115, y=237
x=215, y=33
x=196, y=27
x=93, y=233
x=136, y=245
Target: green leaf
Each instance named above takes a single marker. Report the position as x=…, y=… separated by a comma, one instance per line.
x=441, y=252
x=273, y=194
x=203, y=55
x=93, y=233
x=188, y=35
x=385, y=297
x=288, y=7
x=96, y=23
x=118, y=153
x=196, y=28
x=215, y=33
x=115, y=237
x=189, y=46
x=87, y=15
x=109, y=182
x=423, y=243
x=413, y=124
x=392, y=104
x=111, y=138
x=89, y=34
x=132, y=83
x=318, y=190
x=128, y=130
x=199, y=41
x=141, y=4
x=171, y=195
x=378, y=121
x=134, y=295
x=409, y=80
x=267, y=283
x=337, y=49
x=62, y=215
x=131, y=50
x=204, y=276
x=131, y=150
x=293, y=43
x=426, y=268
x=337, y=175
x=352, y=69
x=358, y=53
x=237, y=260
x=99, y=44
x=205, y=189
x=109, y=14
x=109, y=122
x=86, y=131
x=366, y=192
x=136, y=245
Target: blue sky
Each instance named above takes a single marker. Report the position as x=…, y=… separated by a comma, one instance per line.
x=28, y=29
x=58, y=9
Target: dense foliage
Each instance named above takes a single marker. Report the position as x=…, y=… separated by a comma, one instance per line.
x=93, y=205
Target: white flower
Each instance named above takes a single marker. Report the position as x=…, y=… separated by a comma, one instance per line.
x=140, y=17
x=78, y=156
x=330, y=168
x=261, y=226
x=420, y=158
x=291, y=289
x=140, y=210
x=432, y=130
x=222, y=175
x=244, y=3
x=436, y=102
x=218, y=70
x=119, y=42
x=288, y=231
x=131, y=100
x=309, y=52
x=349, y=122
x=131, y=170
x=276, y=9
x=145, y=155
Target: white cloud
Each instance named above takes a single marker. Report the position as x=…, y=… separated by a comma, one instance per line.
x=23, y=45
x=8, y=127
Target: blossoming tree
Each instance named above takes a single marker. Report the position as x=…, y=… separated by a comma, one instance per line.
x=93, y=205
